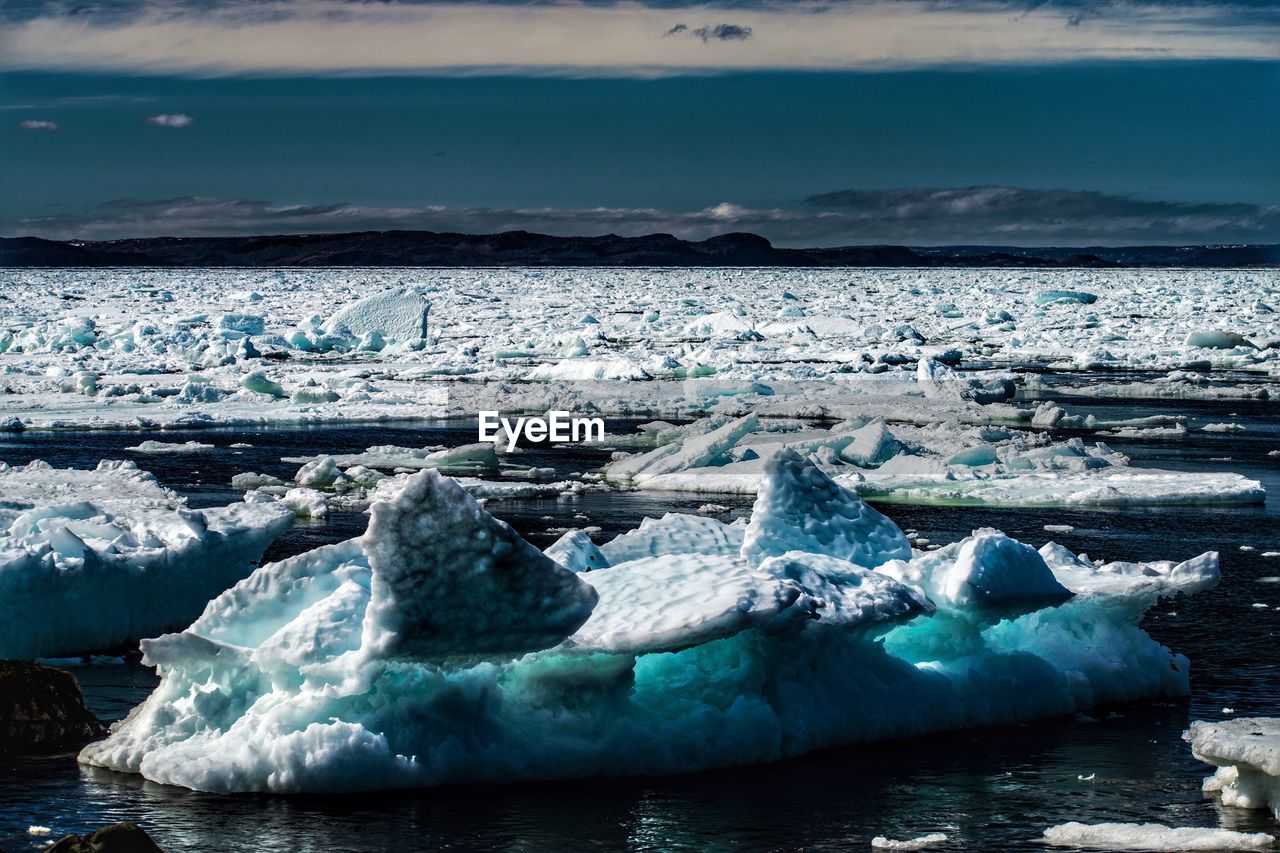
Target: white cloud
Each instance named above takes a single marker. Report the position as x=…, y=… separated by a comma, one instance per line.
x=169, y=120
x=39, y=124
x=627, y=38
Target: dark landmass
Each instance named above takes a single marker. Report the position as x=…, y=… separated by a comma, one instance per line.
x=520, y=248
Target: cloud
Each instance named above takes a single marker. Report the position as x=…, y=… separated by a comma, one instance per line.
x=720, y=32
x=39, y=124
x=1017, y=215
x=974, y=215
x=582, y=37
x=723, y=32
x=169, y=120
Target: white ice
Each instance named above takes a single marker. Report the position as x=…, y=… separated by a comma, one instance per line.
x=1154, y=836
x=90, y=560
x=440, y=648
x=154, y=348
x=1246, y=752
x=940, y=463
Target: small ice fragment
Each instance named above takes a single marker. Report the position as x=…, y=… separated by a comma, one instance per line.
x=1271, y=553
x=880, y=842
x=1058, y=528
x=1154, y=836
x=36, y=829
x=1247, y=548
x=170, y=447
x=712, y=509
x=1228, y=710
x=1083, y=778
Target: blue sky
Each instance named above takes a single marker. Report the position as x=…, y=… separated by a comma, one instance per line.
x=866, y=123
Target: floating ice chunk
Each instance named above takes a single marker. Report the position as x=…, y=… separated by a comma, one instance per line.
x=1246, y=752
x=676, y=601
x=938, y=380
x=113, y=485
x=1052, y=297
x=721, y=324
x=920, y=480
x=1216, y=339
x=450, y=579
x=698, y=451
x=1047, y=415
x=922, y=842
x=244, y=324
x=398, y=659
x=615, y=368
x=1153, y=836
x=500, y=489
x=254, y=480
x=306, y=503
x=464, y=459
x=398, y=316
x=798, y=508
x=258, y=382
x=872, y=445
x=319, y=474
x=674, y=533
x=170, y=447
x=78, y=578
x=577, y=553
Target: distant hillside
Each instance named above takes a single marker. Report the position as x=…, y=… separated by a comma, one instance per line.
x=520, y=248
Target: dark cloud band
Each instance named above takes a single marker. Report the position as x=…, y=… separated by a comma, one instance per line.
x=920, y=216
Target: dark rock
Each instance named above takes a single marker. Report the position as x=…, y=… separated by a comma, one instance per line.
x=41, y=709
x=117, y=838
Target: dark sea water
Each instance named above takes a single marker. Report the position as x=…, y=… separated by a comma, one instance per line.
x=992, y=789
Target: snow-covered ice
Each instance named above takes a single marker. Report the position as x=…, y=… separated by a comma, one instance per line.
x=920, y=842
x=1154, y=836
x=939, y=463
x=93, y=559
x=440, y=647
x=154, y=348
x=1246, y=752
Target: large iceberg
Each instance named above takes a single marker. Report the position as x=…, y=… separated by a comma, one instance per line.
x=441, y=648
x=93, y=559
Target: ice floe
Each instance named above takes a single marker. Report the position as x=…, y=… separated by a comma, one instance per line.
x=155, y=348
x=1246, y=752
x=932, y=464
x=90, y=560
x=440, y=647
x=1154, y=836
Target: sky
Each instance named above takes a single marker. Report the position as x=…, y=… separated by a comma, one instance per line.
x=812, y=123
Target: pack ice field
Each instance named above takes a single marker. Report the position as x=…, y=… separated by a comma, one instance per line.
x=779, y=424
